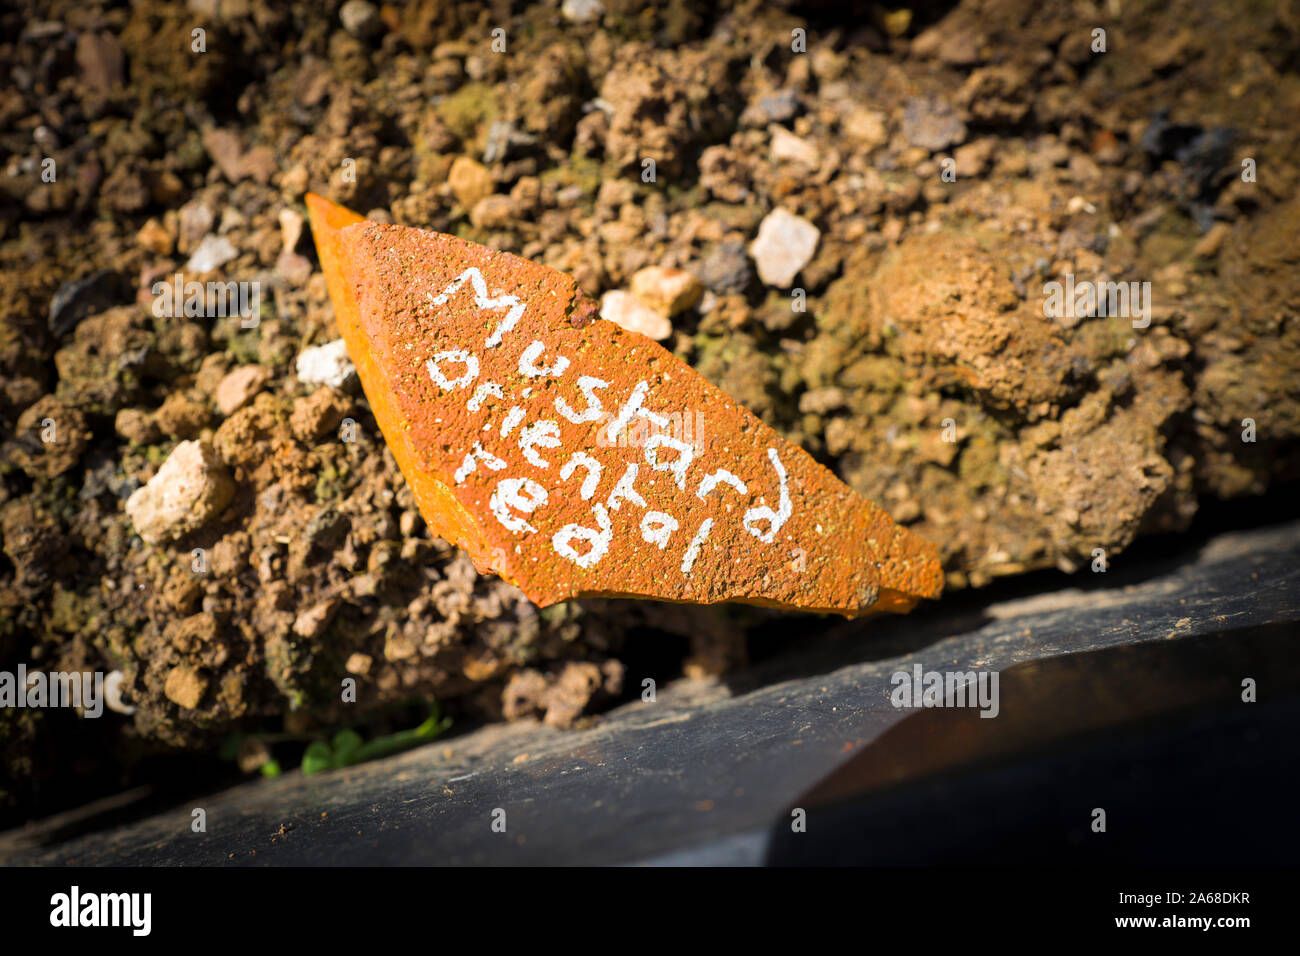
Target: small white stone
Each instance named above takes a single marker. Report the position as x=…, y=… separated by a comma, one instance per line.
x=868, y=127
x=190, y=488
x=196, y=220
x=212, y=253
x=791, y=148
x=785, y=244
x=667, y=291
x=313, y=621
x=361, y=19
x=113, y=693
x=582, y=11
x=290, y=229
x=624, y=309
x=326, y=365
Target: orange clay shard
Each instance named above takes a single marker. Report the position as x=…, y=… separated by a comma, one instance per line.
x=575, y=458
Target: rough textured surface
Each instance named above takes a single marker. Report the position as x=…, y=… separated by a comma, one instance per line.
x=1124, y=166
x=1176, y=633
x=576, y=459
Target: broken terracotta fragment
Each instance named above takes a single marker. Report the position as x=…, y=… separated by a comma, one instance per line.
x=575, y=458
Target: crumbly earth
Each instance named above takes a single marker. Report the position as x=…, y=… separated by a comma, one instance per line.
x=921, y=366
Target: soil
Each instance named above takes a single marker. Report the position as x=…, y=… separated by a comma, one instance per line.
x=923, y=369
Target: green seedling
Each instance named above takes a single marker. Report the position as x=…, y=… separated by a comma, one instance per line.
x=348, y=747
